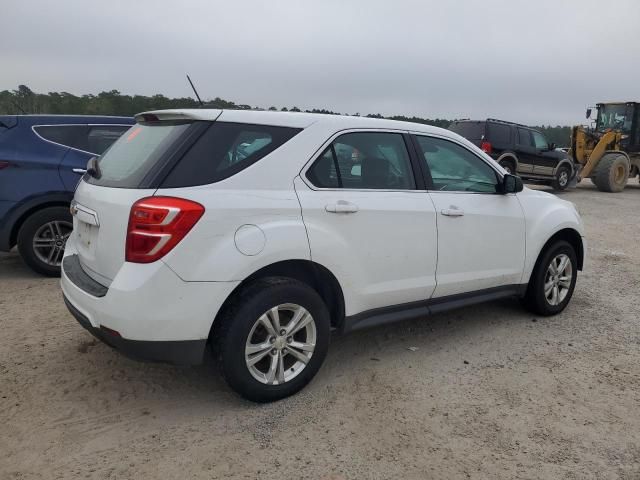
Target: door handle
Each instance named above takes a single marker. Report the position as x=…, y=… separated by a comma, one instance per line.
x=80, y=171
x=452, y=211
x=341, y=207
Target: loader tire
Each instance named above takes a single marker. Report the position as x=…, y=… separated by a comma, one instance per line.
x=612, y=173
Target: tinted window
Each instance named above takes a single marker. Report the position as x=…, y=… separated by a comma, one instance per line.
x=469, y=130
x=101, y=137
x=454, y=168
x=74, y=136
x=225, y=149
x=498, y=134
x=133, y=155
x=540, y=142
x=524, y=138
x=323, y=172
x=364, y=160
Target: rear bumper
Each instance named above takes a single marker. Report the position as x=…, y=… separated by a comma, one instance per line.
x=156, y=315
x=181, y=352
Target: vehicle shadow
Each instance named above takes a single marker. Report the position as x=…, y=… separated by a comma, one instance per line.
x=105, y=372
x=12, y=267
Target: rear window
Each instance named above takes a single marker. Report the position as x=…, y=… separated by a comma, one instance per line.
x=473, y=131
x=126, y=163
x=225, y=149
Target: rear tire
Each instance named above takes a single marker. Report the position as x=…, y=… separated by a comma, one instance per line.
x=612, y=173
x=42, y=238
x=561, y=180
x=246, y=325
x=549, y=293
x=509, y=166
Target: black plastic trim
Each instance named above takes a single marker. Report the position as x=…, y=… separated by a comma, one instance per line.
x=406, y=311
x=73, y=270
x=179, y=352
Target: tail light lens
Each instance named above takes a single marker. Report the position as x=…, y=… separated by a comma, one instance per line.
x=157, y=224
x=486, y=147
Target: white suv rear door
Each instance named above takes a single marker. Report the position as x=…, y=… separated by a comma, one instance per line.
x=481, y=233
x=367, y=220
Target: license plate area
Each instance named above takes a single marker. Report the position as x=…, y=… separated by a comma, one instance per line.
x=86, y=236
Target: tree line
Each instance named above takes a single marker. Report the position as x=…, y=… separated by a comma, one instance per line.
x=23, y=100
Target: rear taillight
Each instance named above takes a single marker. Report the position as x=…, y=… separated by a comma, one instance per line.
x=157, y=224
x=486, y=147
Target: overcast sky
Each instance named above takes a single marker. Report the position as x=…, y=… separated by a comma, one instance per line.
x=536, y=62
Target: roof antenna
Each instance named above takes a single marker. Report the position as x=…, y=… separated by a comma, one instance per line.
x=195, y=91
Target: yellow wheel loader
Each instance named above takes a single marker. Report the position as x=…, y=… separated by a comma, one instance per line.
x=609, y=153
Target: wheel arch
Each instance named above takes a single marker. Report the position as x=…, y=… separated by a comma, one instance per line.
x=569, y=235
x=316, y=276
x=564, y=161
x=24, y=211
x=510, y=156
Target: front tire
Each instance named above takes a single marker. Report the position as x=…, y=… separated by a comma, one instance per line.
x=553, y=280
x=272, y=338
x=42, y=239
x=561, y=180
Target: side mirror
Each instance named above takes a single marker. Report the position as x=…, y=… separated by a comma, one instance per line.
x=511, y=184
x=588, y=114
x=552, y=146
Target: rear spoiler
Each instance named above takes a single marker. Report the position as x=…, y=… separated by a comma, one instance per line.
x=177, y=115
x=8, y=121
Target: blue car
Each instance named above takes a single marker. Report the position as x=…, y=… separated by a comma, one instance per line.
x=42, y=158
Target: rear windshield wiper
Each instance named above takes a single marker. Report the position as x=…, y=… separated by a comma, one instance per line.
x=93, y=168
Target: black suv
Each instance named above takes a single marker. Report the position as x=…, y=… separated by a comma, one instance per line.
x=519, y=149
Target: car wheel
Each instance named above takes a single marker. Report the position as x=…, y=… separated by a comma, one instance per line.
x=42, y=238
x=509, y=166
x=553, y=280
x=561, y=180
x=272, y=338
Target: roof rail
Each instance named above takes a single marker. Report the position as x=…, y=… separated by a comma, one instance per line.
x=509, y=123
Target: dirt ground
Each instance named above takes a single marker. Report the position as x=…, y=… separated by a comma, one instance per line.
x=491, y=392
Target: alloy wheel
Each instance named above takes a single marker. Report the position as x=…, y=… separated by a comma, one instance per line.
x=558, y=277
x=280, y=344
x=49, y=241
x=563, y=179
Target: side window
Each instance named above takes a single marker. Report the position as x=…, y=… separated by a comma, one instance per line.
x=540, y=142
x=455, y=169
x=364, y=160
x=101, y=137
x=323, y=172
x=524, y=138
x=499, y=135
x=74, y=136
x=225, y=149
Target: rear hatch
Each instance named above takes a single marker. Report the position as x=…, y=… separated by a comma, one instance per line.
x=472, y=130
x=127, y=172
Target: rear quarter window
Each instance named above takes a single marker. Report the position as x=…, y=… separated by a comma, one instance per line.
x=225, y=149
x=74, y=136
x=498, y=134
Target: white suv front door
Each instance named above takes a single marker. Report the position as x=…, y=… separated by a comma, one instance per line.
x=481, y=233
x=367, y=222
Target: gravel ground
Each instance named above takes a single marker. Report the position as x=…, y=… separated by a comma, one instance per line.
x=490, y=392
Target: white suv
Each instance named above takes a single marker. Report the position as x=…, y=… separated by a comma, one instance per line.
x=260, y=232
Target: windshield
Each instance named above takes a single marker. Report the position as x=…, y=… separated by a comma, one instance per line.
x=613, y=117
